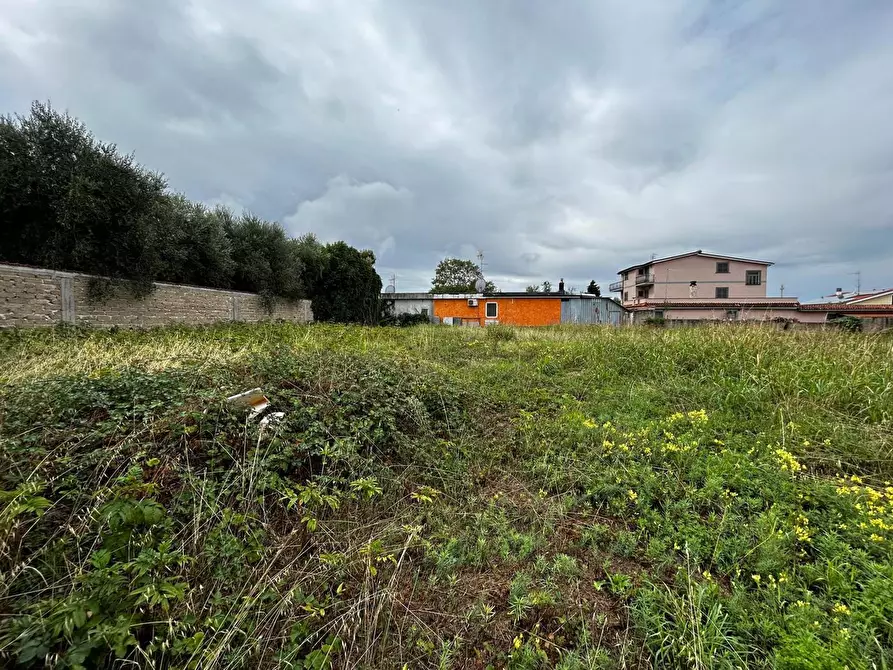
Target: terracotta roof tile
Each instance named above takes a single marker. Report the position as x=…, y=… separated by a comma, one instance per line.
x=844, y=307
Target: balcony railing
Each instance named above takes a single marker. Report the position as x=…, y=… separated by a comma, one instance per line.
x=616, y=286
x=646, y=278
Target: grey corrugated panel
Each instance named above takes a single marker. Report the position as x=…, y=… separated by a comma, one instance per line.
x=591, y=310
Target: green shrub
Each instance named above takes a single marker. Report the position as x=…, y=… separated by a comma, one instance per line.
x=849, y=324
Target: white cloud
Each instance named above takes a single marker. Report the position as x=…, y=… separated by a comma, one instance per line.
x=370, y=214
x=563, y=140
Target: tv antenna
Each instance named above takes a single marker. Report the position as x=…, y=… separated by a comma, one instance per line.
x=858, y=274
x=480, y=284
x=481, y=261
x=781, y=290
x=392, y=287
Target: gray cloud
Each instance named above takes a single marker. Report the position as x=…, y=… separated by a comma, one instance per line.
x=563, y=140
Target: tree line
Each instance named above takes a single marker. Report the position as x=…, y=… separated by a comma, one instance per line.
x=71, y=202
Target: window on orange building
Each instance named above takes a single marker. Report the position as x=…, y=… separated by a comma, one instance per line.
x=492, y=310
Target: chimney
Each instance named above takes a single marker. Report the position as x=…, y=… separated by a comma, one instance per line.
x=561, y=285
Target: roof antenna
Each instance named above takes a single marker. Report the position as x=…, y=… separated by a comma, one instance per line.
x=782, y=290
x=858, y=274
x=653, y=255
x=480, y=285
x=392, y=286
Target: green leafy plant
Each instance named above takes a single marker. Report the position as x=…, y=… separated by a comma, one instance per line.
x=703, y=497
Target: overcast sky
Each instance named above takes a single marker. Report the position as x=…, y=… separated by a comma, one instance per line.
x=562, y=138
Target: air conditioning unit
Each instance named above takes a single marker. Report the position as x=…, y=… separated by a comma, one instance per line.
x=472, y=302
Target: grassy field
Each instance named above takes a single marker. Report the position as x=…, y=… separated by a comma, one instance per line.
x=447, y=498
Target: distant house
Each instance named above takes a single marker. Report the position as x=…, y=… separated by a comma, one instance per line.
x=700, y=286
x=876, y=307
x=515, y=309
x=883, y=297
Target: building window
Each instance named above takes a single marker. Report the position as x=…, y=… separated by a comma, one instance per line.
x=722, y=291
x=732, y=315
x=626, y=295
x=722, y=268
x=626, y=275
x=658, y=314
x=457, y=320
x=492, y=310
x=424, y=311
x=754, y=277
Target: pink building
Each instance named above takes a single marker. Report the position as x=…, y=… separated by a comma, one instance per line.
x=700, y=286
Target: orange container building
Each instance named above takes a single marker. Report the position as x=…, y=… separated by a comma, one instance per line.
x=513, y=309
x=527, y=310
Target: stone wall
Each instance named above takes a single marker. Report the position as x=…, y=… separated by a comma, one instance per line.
x=37, y=297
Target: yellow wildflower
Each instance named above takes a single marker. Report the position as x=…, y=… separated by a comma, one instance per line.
x=756, y=578
x=801, y=528
x=840, y=608
x=786, y=461
x=876, y=538
x=632, y=495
